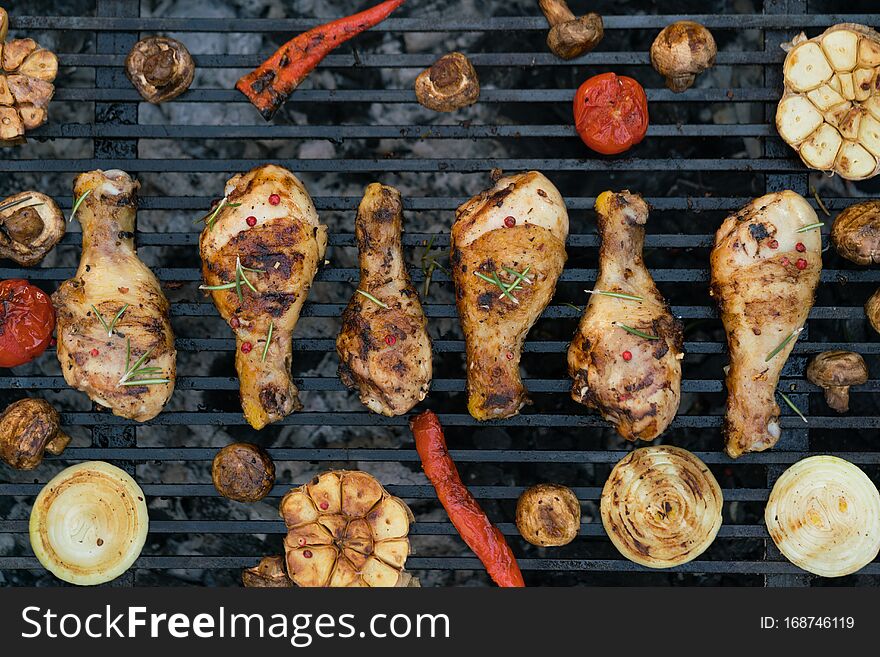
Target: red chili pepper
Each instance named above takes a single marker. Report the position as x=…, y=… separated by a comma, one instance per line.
x=481, y=536
x=27, y=320
x=274, y=80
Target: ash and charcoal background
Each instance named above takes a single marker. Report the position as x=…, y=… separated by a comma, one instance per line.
x=563, y=443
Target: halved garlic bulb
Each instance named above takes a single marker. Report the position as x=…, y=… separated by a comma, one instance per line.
x=830, y=111
x=824, y=516
x=89, y=523
x=661, y=506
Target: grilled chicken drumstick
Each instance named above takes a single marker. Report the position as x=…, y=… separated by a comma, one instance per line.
x=260, y=251
x=625, y=359
x=508, y=250
x=765, y=268
x=114, y=335
x=384, y=349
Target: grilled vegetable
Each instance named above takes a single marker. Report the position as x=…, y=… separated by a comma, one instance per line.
x=856, y=233
x=89, y=524
x=611, y=113
x=27, y=320
x=345, y=530
x=450, y=84
x=28, y=428
x=835, y=372
x=681, y=52
x=548, y=515
x=570, y=36
x=661, y=506
x=268, y=86
x=481, y=536
x=26, y=75
x=824, y=516
x=159, y=68
x=268, y=574
x=31, y=224
x=872, y=310
x=830, y=111
x=243, y=472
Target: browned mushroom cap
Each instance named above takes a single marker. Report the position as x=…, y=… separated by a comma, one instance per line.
x=450, y=84
x=570, y=36
x=270, y=573
x=548, y=515
x=4, y=24
x=28, y=428
x=682, y=51
x=856, y=233
x=835, y=372
x=159, y=68
x=31, y=224
x=872, y=310
x=243, y=472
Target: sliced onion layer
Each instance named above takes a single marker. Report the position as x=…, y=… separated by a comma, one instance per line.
x=661, y=506
x=89, y=524
x=824, y=516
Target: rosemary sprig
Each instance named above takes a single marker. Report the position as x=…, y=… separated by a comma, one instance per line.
x=372, y=298
x=12, y=204
x=430, y=265
x=211, y=219
x=634, y=331
x=110, y=328
x=268, y=341
x=792, y=406
x=507, y=288
x=240, y=279
x=782, y=344
x=819, y=201
x=571, y=305
x=78, y=203
x=138, y=369
x=809, y=227
x=616, y=295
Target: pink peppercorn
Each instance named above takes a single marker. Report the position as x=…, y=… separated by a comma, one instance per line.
x=94, y=352
x=627, y=355
x=246, y=347
x=274, y=199
x=251, y=221
x=510, y=222
x=390, y=340
x=801, y=264
x=325, y=505
x=800, y=247
x=234, y=323
x=773, y=244
x=785, y=261
x=307, y=554
x=509, y=355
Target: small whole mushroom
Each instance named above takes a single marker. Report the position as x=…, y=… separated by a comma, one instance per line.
x=872, y=310
x=570, y=36
x=835, y=372
x=243, y=472
x=31, y=224
x=270, y=573
x=160, y=68
x=548, y=515
x=450, y=84
x=856, y=233
x=28, y=428
x=682, y=51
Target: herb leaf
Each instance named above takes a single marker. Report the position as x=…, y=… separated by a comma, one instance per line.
x=211, y=218
x=782, y=344
x=240, y=279
x=809, y=227
x=634, y=331
x=138, y=369
x=268, y=341
x=792, y=406
x=116, y=319
x=372, y=298
x=616, y=295
x=429, y=265
x=78, y=203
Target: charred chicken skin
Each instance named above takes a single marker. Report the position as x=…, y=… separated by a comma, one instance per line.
x=384, y=349
x=260, y=252
x=114, y=334
x=764, y=278
x=508, y=250
x=625, y=359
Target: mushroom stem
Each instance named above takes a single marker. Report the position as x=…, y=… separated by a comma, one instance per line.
x=837, y=398
x=570, y=36
x=58, y=444
x=556, y=11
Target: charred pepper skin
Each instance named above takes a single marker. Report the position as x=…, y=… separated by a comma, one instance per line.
x=481, y=536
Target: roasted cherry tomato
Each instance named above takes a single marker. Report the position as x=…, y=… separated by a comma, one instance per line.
x=27, y=320
x=611, y=113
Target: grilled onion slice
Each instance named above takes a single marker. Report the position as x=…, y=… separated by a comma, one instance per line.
x=345, y=530
x=661, y=506
x=824, y=516
x=830, y=111
x=89, y=523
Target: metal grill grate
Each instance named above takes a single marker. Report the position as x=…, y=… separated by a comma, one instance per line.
x=709, y=150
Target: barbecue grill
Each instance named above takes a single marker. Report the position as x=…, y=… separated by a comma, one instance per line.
x=709, y=150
